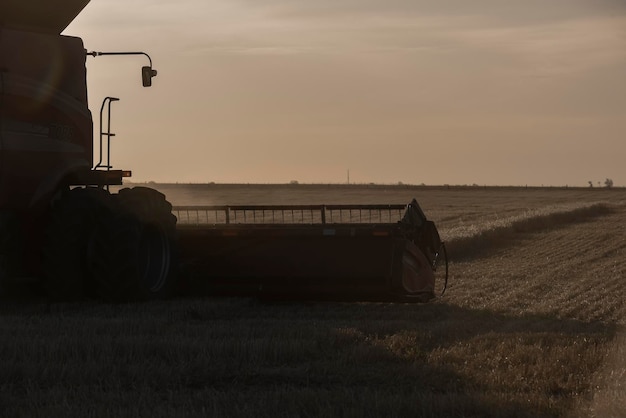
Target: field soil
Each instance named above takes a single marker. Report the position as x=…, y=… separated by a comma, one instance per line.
x=532, y=325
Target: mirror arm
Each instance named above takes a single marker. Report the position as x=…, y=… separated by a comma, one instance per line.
x=146, y=75
x=98, y=54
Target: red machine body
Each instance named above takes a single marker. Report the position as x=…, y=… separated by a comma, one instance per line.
x=46, y=130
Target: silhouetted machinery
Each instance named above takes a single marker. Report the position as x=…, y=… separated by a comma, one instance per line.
x=60, y=224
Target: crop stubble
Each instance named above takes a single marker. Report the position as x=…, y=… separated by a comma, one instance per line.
x=530, y=326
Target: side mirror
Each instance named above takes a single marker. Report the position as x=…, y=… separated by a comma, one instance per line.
x=146, y=75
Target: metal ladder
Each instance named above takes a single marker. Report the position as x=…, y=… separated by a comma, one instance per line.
x=106, y=134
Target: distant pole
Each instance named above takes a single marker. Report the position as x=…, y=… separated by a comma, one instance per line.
x=348, y=176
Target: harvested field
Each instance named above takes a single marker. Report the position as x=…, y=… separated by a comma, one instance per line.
x=532, y=325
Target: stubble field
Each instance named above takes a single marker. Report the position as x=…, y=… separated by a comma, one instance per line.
x=532, y=324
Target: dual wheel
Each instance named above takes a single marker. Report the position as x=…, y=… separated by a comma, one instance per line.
x=115, y=247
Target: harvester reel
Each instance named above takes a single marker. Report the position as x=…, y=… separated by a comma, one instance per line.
x=68, y=239
x=135, y=251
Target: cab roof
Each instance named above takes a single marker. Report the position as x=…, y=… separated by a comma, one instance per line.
x=47, y=16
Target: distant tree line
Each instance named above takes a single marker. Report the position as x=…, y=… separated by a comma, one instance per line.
x=608, y=183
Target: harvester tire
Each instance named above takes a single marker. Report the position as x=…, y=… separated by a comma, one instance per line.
x=135, y=257
x=12, y=245
x=149, y=206
x=5, y=256
x=68, y=238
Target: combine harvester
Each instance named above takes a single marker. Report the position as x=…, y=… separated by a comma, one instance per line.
x=60, y=224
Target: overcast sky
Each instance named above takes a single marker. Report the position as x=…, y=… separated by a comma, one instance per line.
x=414, y=91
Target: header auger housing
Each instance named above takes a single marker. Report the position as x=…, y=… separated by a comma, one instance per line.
x=371, y=252
x=60, y=225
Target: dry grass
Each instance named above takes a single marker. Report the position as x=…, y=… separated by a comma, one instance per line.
x=242, y=358
x=609, y=398
x=467, y=241
x=531, y=326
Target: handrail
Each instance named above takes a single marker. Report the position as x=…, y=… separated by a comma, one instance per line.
x=108, y=134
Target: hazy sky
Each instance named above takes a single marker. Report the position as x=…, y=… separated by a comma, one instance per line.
x=437, y=92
